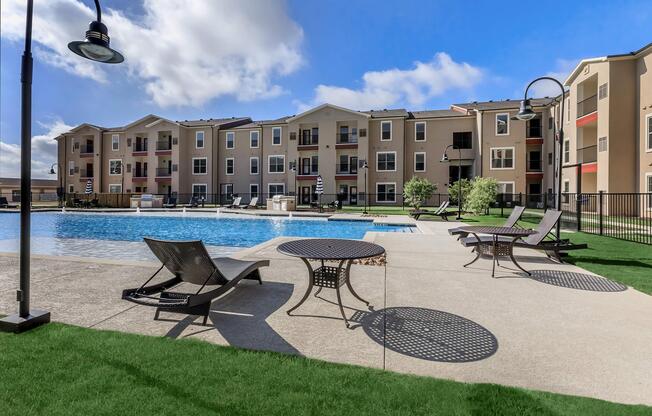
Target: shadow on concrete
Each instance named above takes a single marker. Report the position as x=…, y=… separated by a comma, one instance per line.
x=428, y=334
x=580, y=281
x=241, y=315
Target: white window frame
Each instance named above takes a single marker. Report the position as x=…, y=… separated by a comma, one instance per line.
x=252, y=158
x=565, y=199
x=251, y=192
x=395, y=161
x=71, y=189
x=425, y=131
x=568, y=110
x=648, y=133
x=563, y=151
x=648, y=189
x=115, y=186
x=280, y=136
x=390, y=130
x=193, y=166
x=269, y=157
x=115, y=140
x=71, y=168
x=502, y=191
x=424, y=161
x=269, y=193
x=121, y=167
x=203, y=140
x=251, y=133
x=72, y=144
x=491, y=151
x=226, y=166
x=377, y=193
x=496, y=124
x=226, y=140
x=200, y=184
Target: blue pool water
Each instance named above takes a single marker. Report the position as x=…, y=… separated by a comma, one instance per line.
x=218, y=231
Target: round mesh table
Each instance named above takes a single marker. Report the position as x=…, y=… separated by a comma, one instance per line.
x=497, y=246
x=333, y=277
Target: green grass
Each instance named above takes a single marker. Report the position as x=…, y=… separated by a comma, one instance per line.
x=64, y=370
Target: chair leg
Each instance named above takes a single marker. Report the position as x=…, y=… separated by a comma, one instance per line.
x=157, y=314
x=205, y=319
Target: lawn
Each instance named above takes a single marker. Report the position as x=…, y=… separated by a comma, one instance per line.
x=59, y=369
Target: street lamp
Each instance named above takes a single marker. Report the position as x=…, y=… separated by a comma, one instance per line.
x=60, y=188
x=525, y=113
x=444, y=158
x=95, y=48
x=293, y=169
x=365, y=166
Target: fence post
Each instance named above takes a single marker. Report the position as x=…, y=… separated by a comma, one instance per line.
x=578, y=211
x=600, y=195
x=545, y=201
x=520, y=198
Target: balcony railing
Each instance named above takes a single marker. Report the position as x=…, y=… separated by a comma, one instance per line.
x=142, y=174
x=141, y=147
x=534, y=132
x=534, y=165
x=312, y=140
x=347, y=138
x=86, y=149
x=587, y=106
x=308, y=171
x=164, y=145
x=86, y=173
x=587, y=154
x=163, y=172
x=346, y=169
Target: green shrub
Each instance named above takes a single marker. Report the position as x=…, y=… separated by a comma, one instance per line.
x=417, y=190
x=483, y=194
x=453, y=191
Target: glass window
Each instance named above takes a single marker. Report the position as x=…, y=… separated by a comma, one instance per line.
x=199, y=139
x=115, y=142
x=115, y=188
x=343, y=166
x=230, y=140
x=230, y=166
x=649, y=132
x=550, y=158
x=253, y=165
x=463, y=140
x=502, y=158
x=71, y=167
x=276, y=189
x=565, y=197
x=386, y=192
x=115, y=167
x=420, y=132
x=253, y=139
x=386, y=130
x=199, y=166
x=199, y=190
x=277, y=164
x=276, y=136
x=502, y=124
x=566, y=151
x=602, y=91
x=385, y=161
x=420, y=162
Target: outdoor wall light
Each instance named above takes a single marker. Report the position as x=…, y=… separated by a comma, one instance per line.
x=525, y=112
x=96, y=46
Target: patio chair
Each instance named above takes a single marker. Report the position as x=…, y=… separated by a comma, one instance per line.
x=511, y=221
x=253, y=204
x=194, y=202
x=171, y=203
x=235, y=203
x=191, y=264
x=553, y=248
x=439, y=212
x=5, y=204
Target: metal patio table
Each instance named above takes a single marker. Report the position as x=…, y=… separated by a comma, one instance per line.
x=497, y=246
x=324, y=249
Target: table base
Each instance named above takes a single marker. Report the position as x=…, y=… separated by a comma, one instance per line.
x=496, y=249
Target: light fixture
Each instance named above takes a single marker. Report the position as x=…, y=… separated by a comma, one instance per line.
x=96, y=46
x=525, y=112
x=444, y=157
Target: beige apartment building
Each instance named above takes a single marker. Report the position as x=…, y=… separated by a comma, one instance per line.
x=372, y=153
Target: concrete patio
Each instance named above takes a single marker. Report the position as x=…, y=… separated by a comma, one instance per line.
x=563, y=330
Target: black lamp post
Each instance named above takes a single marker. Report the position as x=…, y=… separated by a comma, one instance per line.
x=293, y=169
x=96, y=47
x=526, y=113
x=60, y=188
x=444, y=158
x=365, y=166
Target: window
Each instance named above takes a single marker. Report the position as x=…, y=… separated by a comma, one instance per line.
x=115, y=142
x=275, y=189
x=115, y=188
x=229, y=165
x=502, y=124
x=199, y=166
x=420, y=161
x=419, y=132
x=276, y=164
x=550, y=158
x=386, y=192
x=502, y=158
x=74, y=144
x=566, y=190
x=199, y=190
x=506, y=188
x=648, y=140
x=648, y=189
x=385, y=161
x=227, y=189
x=550, y=123
x=230, y=140
x=568, y=110
x=253, y=139
x=253, y=165
x=253, y=190
x=199, y=140
x=602, y=144
x=385, y=130
x=71, y=189
x=567, y=151
x=71, y=168
x=463, y=140
x=602, y=91
x=115, y=167
x=276, y=136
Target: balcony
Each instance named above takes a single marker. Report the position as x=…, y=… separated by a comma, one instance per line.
x=163, y=145
x=163, y=172
x=86, y=150
x=534, y=165
x=85, y=174
x=588, y=154
x=346, y=140
x=534, y=132
x=140, y=149
x=587, y=106
x=346, y=171
x=140, y=176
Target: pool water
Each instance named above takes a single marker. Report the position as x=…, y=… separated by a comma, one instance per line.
x=215, y=230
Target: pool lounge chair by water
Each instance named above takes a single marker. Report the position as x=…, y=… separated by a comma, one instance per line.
x=190, y=263
x=511, y=221
x=439, y=212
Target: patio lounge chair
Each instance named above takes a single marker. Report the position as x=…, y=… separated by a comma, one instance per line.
x=439, y=212
x=194, y=202
x=172, y=202
x=191, y=264
x=553, y=247
x=5, y=204
x=235, y=203
x=511, y=221
x=252, y=204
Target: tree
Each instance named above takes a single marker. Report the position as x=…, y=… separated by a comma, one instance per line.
x=454, y=188
x=417, y=190
x=483, y=194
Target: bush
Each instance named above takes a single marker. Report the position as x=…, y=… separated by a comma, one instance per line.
x=453, y=191
x=483, y=194
x=417, y=190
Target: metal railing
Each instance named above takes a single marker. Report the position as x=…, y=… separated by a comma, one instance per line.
x=86, y=149
x=141, y=147
x=534, y=165
x=85, y=173
x=587, y=106
x=346, y=169
x=534, y=132
x=311, y=140
x=163, y=172
x=140, y=174
x=164, y=145
x=346, y=138
x=587, y=154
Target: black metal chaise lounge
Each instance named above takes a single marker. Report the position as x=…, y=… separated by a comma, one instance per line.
x=439, y=212
x=5, y=204
x=553, y=247
x=511, y=221
x=190, y=263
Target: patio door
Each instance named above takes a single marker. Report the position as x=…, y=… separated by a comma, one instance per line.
x=305, y=195
x=353, y=195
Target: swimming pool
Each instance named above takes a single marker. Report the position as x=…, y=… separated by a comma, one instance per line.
x=65, y=230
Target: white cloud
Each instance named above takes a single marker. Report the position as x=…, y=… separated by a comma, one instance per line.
x=563, y=68
x=185, y=52
x=44, y=152
x=413, y=87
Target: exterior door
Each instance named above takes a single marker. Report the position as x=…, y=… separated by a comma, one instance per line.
x=305, y=195
x=353, y=195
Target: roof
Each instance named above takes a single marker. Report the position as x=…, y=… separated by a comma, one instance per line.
x=281, y=120
x=397, y=112
x=623, y=56
x=35, y=182
x=320, y=107
x=502, y=105
x=436, y=114
x=210, y=121
x=252, y=125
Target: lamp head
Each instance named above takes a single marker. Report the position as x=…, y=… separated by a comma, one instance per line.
x=444, y=158
x=52, y=172
x=525, y=112
x=96, y=46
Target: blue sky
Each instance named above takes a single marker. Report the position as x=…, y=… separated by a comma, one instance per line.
x=488, y=50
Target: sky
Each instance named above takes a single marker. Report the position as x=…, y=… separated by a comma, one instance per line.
x=188, y=59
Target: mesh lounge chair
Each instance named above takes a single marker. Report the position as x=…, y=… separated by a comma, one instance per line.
x=190, y=263
x=511, y=221
x=172, y=202
x=235, y=203
x=253, y=204
x=5, y=204
x=553, y=247
x=439, y=212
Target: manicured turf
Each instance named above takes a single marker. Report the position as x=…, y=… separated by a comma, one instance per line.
x=64, y=370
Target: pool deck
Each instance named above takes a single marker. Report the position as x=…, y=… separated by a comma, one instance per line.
x=541, y=333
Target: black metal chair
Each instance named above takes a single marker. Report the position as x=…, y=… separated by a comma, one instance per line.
x=171, y=202
x=5, y=204
x=190, y=263
x=511, y=221
x=439, y=212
